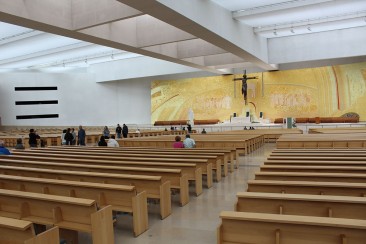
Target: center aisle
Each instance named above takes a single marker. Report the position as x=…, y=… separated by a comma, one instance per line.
x=196, y=222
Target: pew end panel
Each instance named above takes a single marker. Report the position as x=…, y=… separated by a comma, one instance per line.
x=51, y=236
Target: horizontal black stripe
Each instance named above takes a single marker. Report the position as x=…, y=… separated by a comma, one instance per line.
x=36, y=102
x=36, y=88
x=37, y=116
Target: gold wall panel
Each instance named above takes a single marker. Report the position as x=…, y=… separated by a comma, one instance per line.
x=325, y=92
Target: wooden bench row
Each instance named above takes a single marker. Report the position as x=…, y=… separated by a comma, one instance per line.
x=38, y=162
x=269, y=135
x=242, y=144
x=69, y=214
x=322, y=141
x=292, y=204
x=16, y=231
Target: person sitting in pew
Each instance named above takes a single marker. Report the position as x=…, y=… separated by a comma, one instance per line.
x=178, y=143
x=102, y=142
x=189, y=142
x=112, y=142
x=3, y=149
x=19, y=144
x=204, y=131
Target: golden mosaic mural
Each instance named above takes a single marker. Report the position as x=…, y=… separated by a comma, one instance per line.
x=318, y=92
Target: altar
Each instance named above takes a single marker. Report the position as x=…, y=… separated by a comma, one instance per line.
x=241, y=120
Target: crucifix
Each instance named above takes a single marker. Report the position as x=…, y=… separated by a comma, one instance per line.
x=244, y=85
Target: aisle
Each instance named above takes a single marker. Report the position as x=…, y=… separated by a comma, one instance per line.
x=196, y=222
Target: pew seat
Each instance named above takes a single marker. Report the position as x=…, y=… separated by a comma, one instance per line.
x=16, y=231
x=73, y=214
x=302, y=204
x=308, y=187
x=244, y=227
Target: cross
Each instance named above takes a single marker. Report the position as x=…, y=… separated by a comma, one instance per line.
x=244, y=85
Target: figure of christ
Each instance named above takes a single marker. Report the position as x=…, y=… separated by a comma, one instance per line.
x=244, y=85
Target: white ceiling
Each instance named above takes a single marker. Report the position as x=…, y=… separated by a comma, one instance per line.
x=302, y=16
x=26, y=48
x=23, y=48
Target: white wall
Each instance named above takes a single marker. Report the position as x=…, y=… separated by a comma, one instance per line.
x=81, y=100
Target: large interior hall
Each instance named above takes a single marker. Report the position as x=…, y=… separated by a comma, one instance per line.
x=191, y=121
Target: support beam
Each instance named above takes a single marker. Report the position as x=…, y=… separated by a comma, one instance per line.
x=210, y=22
x=215, y=60
x=90, y=13
x=19, y=13
x=53, y=12
x=139, y=32
x=136, y=68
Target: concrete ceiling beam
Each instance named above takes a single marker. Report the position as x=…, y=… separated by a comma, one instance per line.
x=28, y=14
x=90, y=13
x=211, y=23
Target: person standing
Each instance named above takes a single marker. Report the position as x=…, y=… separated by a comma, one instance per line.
x=189, y=128
x=106, y=132
x=73, y=136
x=118, y=131
x=81, y=136
x=33, y=138
x=124, y=131
x=63, y=140
x=3, y=149
x=68, y=137
x=189, y=142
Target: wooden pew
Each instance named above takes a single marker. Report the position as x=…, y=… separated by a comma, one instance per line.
x=202, y=163
x=16, y=231
x=229, y=154
x=270, y=135
x=240, y=146
x=313, y=169
x=153, y=185
x=226, y=156
x=333, y=157
x=302, y=204
x=119, y=197
x=320, y=150
x=243, y=227
x=316, y=162
x=71, y=214
x=177, y=174
x=298, y=176
x=308, y=187
x=193, y=171
x=319, y=154
x=174, y=176
x=321, y=141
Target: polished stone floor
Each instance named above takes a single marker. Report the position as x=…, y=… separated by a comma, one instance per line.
x=198, y=220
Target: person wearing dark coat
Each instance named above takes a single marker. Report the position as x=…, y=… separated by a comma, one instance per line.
x=81, y=136
x=102, y=142
x=118, y=131
x=33, y=138
x=124, y=131
x=68, y=137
